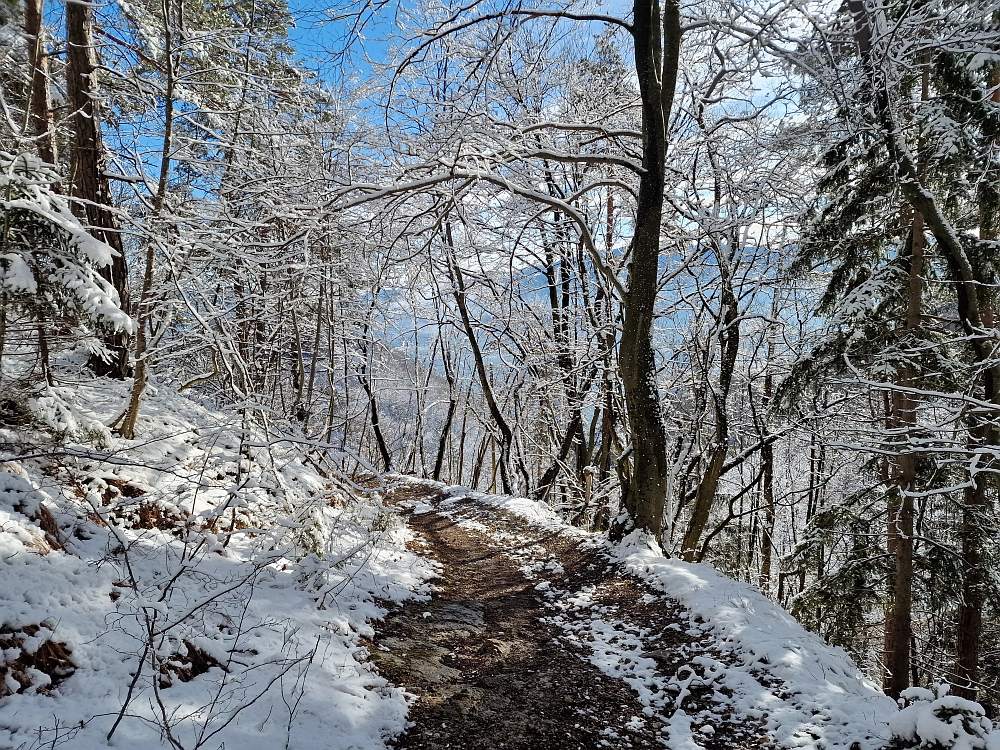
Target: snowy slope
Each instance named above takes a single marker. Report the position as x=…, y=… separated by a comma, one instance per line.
x=811, y=693
x=203, y=577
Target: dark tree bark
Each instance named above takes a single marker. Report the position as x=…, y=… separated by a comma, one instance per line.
x=89, y=183
x=977, y=503
x=548, y=478
x=899, y=625
x=452, y=406
x=973, y=313
x=364, y=378
x=767, y=471
x=40, y=109
x=965, y=678
x=657, y=39
x=383, y=449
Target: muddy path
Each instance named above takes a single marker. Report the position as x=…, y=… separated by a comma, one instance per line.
x=533, y=641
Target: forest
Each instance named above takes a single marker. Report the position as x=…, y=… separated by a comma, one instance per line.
x=719, y=274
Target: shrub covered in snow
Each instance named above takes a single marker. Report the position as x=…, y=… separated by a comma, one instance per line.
x=935, y=720
x=49, y=265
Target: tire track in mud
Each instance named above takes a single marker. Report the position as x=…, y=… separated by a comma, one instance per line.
x=532, y=642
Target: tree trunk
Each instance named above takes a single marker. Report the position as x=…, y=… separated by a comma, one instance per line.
x=767, y=481
x=976, y=508
x=573, y=435
x=40, y=108
x=767, y=532
x=460, y=473
x=559, y=293
x=729, y=345
x=900, y=546
x=657, y=49
x=317, y=341
x=452, y=406
x=901, y=511
x=383, y=449
x=548, y=478
x=965, y=678
x=43, y=351
x=131, y=415
x=767, y=461
x=364, y=378
x=506, y=434
x=89, y=183
x=972, y=313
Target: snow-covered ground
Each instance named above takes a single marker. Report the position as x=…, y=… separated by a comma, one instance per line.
x=213, y=583
x=201, y=586
x=809, y=693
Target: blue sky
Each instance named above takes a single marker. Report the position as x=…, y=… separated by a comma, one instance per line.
x=316, y=35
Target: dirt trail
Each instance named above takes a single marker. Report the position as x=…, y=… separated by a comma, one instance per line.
x=498, y=659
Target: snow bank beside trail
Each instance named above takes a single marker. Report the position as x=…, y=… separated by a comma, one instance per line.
x=235, y=552
x=536, y=513
x=814, y=695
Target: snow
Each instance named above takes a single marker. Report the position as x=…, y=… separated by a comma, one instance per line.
x=17, y=276
x=824, y=699
x=936, y=719
x=681, y=737
x=281, y=600
x=69, y=265
x=615, y=651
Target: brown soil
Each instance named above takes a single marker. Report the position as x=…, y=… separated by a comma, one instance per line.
x=491, y=668
x=50, y=657
x=186, y=665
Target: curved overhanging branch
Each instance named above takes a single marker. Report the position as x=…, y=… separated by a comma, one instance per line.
x=451, y=25
x=375, y=192
x=925, y=203
x=562, y=156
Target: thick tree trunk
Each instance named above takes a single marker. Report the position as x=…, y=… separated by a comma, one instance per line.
x=42, y=127
x=902, y=414
x=40, y=110
x=976, y=509
x=972, y=313
x=89, y=183
x=657, y=49
x=900, y=544
x=965, y=678
x=901, y=511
